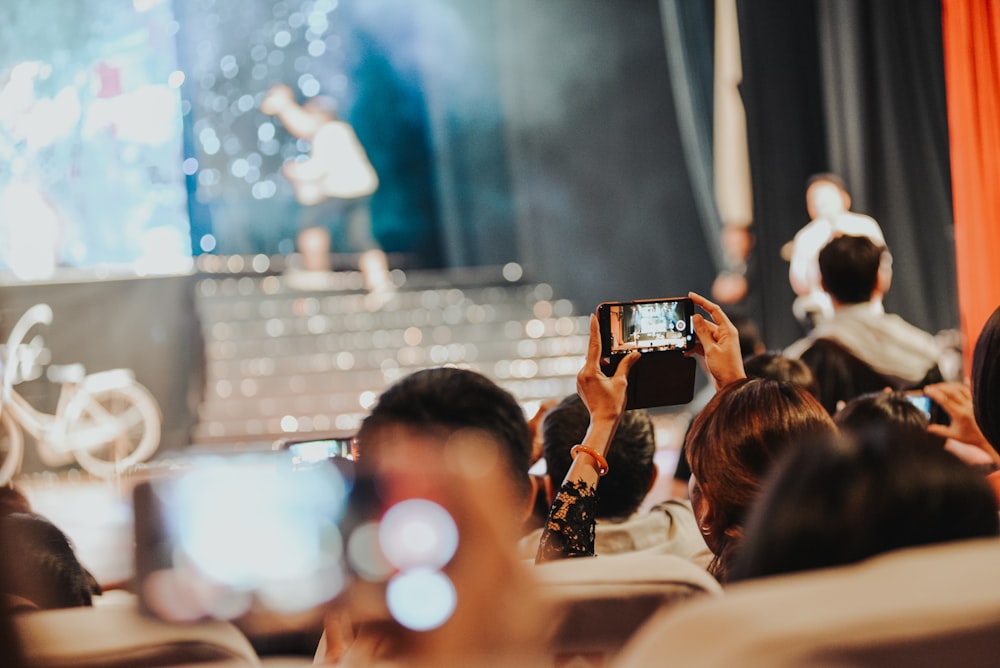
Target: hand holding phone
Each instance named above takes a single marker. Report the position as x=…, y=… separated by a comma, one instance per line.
x=718, y=342
x=661, y=331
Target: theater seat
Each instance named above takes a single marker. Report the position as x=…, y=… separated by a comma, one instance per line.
x=929, y=606
x=116, y=636
x=603, y=600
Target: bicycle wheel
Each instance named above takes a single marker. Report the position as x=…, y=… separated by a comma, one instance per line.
x=11, y=448
x=138, y=418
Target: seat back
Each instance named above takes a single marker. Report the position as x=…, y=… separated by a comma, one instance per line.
x=927, y=606
x=603, y=600
x=118, y=635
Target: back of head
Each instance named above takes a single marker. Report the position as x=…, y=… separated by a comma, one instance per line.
x=838, y=502
x=447, y=399
x=630, y=457
x=778, y=367
x=40, y=565
x=986, y=379
x=735, y=440
x=882, y=413
x=849, y=268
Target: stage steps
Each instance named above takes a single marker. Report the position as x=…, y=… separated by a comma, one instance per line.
x=283, y=360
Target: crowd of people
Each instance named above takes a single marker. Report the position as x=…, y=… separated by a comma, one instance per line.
x=809, y=458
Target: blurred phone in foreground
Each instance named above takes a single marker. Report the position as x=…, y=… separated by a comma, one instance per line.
x=662, y=330
x=244, y=533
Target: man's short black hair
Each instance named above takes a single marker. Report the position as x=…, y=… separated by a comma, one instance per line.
x=630, y=457
x=849, y=268
x=457, y=399
x=40, y=565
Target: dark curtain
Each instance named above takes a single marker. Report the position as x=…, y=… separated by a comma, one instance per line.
x=856, y=88
x=887, y=130
x=689, y=38
x=785, y=135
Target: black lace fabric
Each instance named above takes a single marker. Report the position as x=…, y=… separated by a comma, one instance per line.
x=569, y=531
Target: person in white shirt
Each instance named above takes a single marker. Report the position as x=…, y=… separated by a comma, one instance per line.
x=828, y=204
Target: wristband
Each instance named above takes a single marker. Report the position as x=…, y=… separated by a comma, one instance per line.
x=599, y=460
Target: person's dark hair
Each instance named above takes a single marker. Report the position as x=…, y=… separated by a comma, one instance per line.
x=630, y=457
x=13, y=501
x=40, y=564
x=889, y=412
x=456, y=399
x=778, y=367
x=837, y=502
x=733, y=443
x=986, y=380
x=849, y=268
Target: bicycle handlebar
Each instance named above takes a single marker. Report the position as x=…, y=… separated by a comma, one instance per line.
x=39, y=314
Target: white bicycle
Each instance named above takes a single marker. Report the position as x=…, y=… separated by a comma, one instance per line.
x=107, y=421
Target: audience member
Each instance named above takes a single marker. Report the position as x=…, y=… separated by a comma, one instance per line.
x=760, y=365
x=41, y=570
x=731, y=443
x=448, y=400
x=669, y=527
x=751, y=343
x=837, y=502
x=859, y=349
x=778, y=367
x=441, y=419
x=828, y=204
x=486, y=613
x=890, y=411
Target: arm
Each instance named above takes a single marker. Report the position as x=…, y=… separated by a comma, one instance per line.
x=569, y=531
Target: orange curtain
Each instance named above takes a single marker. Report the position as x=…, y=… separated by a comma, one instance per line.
x=972, y=75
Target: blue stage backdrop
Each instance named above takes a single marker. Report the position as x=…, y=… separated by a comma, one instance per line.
x=90, y=137
x=337, y=54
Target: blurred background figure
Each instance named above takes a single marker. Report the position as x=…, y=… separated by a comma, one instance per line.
x=334, y=185
x=830, y=215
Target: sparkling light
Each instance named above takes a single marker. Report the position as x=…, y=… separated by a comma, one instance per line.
x=421, y=599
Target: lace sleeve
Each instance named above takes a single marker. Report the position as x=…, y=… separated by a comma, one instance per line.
x=569, y=531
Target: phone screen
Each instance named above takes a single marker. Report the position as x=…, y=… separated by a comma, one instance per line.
x=921, y=401
x=646, y=326
x=311, y=452
x=242, y=531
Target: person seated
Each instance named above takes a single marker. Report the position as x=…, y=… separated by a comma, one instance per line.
x=39, y=569
x=830, y=215
x=442, y=418
x=669, y=527
x=731, y=443
x=860, y=350
x=890, y=486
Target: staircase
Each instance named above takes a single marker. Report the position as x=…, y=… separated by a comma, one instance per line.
x=284, y=357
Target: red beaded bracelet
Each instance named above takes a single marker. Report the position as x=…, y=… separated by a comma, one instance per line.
x=602, y=463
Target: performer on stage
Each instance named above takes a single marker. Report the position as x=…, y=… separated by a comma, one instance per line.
x=334, y=185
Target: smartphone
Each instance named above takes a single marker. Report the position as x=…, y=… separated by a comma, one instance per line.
x=649, y=325
x=311, y=450
x=934, y=412
x=662, y=330
x=239, y=533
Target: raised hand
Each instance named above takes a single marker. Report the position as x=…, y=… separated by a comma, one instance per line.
x=718, y=342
